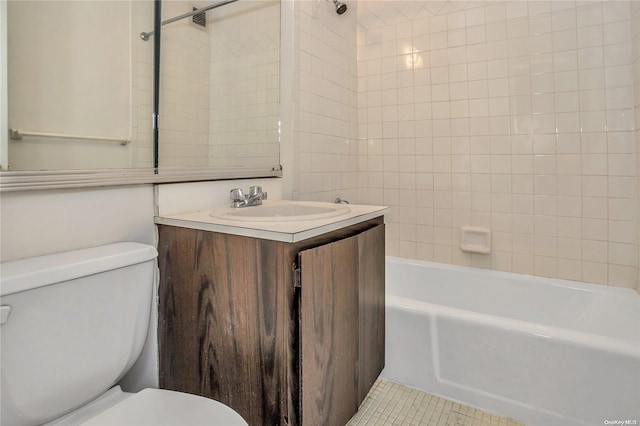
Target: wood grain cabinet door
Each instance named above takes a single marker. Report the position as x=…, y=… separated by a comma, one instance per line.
x=371, y=275
x=342, y=286
x=222, y=321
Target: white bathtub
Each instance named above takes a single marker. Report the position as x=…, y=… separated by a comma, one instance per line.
x=543, y=351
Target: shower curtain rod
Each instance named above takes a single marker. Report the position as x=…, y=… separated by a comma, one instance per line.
x=145, y=36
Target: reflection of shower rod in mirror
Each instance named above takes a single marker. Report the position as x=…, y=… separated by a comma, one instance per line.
x=145, y=36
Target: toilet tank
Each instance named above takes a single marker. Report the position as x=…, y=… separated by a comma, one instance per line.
x=73, y=323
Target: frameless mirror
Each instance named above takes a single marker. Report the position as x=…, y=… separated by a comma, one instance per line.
x=219, y=84
x=80, y=86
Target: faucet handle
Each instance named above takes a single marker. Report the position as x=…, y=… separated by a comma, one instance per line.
x=254, y=190
x=237, y=194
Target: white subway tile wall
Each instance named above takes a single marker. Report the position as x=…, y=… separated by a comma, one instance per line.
x=518, y=116
x=184, y=91
x=325, y=128
x=244, y=83
x=214, y=82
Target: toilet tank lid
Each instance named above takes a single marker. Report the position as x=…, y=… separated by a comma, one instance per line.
x=34, y=272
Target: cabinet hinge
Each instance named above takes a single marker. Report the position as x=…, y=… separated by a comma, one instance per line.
x=297, y=277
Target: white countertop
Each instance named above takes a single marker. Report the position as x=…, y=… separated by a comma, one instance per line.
x=286, y=231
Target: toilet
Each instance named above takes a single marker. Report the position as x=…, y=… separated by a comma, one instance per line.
x=71, y=326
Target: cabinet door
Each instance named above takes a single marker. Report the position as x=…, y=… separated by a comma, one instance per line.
x=223, y=321
x=340, y=290
x=371, y=297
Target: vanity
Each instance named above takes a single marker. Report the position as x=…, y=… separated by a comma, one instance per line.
x=277, y=312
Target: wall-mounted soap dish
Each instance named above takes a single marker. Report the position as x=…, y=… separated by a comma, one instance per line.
x=475, y=239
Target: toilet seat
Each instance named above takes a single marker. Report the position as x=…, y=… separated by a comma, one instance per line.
x=152, y=407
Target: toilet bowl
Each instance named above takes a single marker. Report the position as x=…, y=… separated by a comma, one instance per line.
x=72, y=325
x=153, y=407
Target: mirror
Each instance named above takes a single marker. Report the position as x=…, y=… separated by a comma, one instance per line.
x=219, y=84
x=80, y=86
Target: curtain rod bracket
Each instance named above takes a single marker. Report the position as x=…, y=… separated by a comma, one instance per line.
x=145, y=36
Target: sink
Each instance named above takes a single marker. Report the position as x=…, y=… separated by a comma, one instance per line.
x=282, y=211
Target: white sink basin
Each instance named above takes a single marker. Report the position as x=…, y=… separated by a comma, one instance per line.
x=281, y=211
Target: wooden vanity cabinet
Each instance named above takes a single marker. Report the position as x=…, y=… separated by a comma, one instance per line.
x=283, y=333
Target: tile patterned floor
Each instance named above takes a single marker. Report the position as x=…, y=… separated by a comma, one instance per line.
x=393, y=404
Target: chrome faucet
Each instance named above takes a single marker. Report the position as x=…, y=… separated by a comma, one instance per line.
x=255, y=197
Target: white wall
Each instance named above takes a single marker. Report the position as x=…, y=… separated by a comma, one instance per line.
x=35, y=223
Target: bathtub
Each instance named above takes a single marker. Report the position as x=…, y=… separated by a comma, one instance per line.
x=543, y=351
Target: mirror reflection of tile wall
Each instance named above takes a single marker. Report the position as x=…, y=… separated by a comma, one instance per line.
x=184, y=91
x=219, y=87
